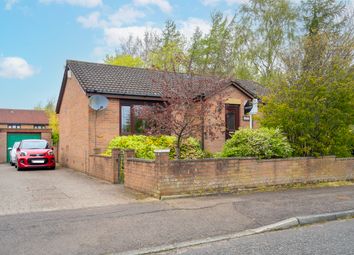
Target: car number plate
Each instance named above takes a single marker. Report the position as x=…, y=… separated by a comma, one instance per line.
x=37, y=161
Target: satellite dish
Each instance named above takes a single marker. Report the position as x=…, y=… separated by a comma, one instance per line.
x=98, y=102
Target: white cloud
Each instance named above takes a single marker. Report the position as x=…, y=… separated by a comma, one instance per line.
x=83, y=3
x=188, y=26
x=210, y=2
x=15, y=67
x=164, y=5
x=125, y=15
x=9, y=4
x=231, y=2
x=91, y=21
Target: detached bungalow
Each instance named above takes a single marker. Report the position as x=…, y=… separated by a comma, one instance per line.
x=84, y=131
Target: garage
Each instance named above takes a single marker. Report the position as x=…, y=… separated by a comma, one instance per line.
x=16, y=125
x=16, y=137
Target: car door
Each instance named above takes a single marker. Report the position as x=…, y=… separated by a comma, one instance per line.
x=13, y=151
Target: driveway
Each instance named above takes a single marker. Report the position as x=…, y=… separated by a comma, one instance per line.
x=48, y=190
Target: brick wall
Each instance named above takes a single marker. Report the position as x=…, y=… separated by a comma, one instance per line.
x=142, y=175
x=104, y=167
x=83, y=131
x=3, y=146
x=163, y=177
x=103, y=126
x=73, y=127
x=231, y=94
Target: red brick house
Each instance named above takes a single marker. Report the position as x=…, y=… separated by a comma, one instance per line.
x=16, y=125
x=84, y=131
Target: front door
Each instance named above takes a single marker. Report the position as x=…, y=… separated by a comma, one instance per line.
x=232, y=119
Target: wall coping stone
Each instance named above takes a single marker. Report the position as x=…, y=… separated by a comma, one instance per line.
x=100, y=156
x=141, y=160
x=162, y=151
x=349, y=158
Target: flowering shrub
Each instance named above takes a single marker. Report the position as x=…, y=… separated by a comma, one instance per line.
x=145, y=146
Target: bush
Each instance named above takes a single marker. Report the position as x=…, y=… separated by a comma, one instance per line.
x=260, y=143
x=145, y=146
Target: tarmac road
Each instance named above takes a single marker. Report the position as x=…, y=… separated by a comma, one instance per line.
x=124, y=227
x=328, y=238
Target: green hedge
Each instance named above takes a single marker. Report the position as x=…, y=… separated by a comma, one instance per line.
x=145, y=146
x=260, y=143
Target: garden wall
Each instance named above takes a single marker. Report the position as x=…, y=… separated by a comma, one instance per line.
x=104, y=167
x=164, y=177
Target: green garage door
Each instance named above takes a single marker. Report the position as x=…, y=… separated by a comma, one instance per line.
x=17, y=137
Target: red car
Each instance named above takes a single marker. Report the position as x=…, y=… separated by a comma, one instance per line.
x=34, y=154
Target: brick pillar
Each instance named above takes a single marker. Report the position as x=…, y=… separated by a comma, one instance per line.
x=116, y=162
x=161, y=167
x=129, y=154
x=3, y=147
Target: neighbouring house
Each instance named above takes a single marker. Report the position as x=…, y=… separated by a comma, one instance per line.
x=84, y=131
x=16, y=125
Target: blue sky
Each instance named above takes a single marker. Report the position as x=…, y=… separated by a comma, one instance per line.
x=37, y=36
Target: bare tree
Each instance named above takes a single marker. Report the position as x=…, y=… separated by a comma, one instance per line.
x=191, y=106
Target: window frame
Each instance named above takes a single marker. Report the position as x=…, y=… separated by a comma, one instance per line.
x=11, y=126
x=39, y=126
x=131, y=103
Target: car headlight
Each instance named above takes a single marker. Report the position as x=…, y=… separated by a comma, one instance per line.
x=50, y=153
x=23, y=153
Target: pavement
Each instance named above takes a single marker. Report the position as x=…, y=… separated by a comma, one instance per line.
x=50, y=190
x=128, y=224
x=322, y=239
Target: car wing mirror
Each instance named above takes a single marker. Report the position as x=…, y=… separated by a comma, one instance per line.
x=9, y=148
x=18, y=149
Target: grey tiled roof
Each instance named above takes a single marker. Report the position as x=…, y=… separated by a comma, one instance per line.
x=120, y=80
x=251, y=86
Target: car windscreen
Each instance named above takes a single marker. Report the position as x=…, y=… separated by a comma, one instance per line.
x=16, y=144
x=34, y=145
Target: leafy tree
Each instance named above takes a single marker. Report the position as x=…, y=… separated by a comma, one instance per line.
x=315, y=112
x=215, y=58
x=195, y=51
x=323, y=15
x=170, y=55
x=49, y=108
x=124, y=60
x=272, y=24
x=313, y=101
x=326, y=36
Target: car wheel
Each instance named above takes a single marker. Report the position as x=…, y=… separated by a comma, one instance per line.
x=11, y=164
